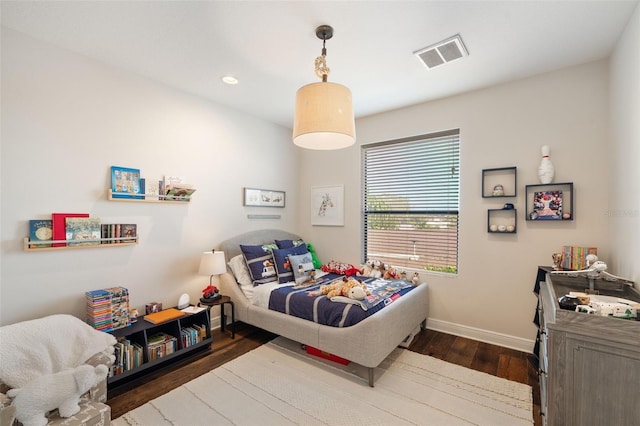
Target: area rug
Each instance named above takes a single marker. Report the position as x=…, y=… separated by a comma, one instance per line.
x=279, y=384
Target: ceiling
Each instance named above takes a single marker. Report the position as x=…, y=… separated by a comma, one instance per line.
x=270, y=46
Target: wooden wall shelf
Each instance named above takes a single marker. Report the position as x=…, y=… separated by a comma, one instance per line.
x=121, y=242
x=164, y=199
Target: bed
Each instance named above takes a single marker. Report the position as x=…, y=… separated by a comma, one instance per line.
x=366, y=343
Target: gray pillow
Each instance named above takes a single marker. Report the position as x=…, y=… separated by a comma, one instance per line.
x=301, y=265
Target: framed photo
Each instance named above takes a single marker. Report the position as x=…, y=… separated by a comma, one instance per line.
x=550, y=202
x=327, y=205
x=263, y=198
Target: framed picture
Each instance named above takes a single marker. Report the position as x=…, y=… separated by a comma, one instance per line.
x=327, y=205
x=263, y=198
x=550, y=202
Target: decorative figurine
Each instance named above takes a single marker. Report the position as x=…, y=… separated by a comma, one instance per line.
x=557, y=260
x=546, y=170
x=498, y=191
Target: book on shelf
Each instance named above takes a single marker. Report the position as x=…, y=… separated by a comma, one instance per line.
x=170, y=182
x=162, y=316
x=574, y=258
x=82, y=231
x=125, y=182
x=152, y=189
x=122, y=232
x=160, y=345
x=59, y=226
x=40, y=230
x=180, y=192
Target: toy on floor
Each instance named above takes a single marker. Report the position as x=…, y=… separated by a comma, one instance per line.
x=60, y=390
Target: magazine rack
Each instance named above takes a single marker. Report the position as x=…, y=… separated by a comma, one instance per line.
x=550, y=202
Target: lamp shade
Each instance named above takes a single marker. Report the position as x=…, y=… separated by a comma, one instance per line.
x=324, y=117
x=212, y=263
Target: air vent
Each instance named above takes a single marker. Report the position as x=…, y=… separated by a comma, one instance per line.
x=440, y=53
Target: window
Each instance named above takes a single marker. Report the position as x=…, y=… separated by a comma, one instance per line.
x=411, y=201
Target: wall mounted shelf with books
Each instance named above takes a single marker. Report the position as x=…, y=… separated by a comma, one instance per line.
x=550, y=202
x=149, y=198
x=157, y=345
x=29, y=245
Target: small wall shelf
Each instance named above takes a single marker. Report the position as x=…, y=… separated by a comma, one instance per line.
x=150, y=198
x=502, y=221
x=550, y=202
x=505, y=176
x=101, y=242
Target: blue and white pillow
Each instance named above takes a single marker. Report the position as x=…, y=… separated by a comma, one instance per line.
x=283, y=264
x=283, y=244
x=301, y=265
x=259, y=260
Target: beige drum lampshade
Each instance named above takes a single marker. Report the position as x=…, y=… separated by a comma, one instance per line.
x=324, y=117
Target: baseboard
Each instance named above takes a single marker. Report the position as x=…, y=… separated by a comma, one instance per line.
x=504, y=340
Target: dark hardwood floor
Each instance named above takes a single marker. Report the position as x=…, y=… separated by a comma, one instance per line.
x=498, y=361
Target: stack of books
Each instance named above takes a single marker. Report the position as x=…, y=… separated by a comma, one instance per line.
x=192, y=335
x=128, y=355
x=574, y=258
x=108, y=309
x=161, y=345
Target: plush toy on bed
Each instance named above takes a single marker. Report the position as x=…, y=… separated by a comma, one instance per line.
x=60, y=390
x=342, y=288
x=390, y=273
x=372, y=268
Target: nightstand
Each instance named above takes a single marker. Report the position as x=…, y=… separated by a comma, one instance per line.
x=223, y=300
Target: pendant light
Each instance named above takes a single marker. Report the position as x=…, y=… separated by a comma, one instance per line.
x=324, y=111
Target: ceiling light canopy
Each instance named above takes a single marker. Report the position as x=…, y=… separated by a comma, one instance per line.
x=324, y=111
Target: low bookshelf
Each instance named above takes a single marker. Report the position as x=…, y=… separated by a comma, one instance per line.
x=161, y=345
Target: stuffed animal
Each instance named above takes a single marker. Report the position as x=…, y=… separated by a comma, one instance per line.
x=378, y=269
x=341, y=288
x=60, y=390
x=390, y=273
x=415, y=279
x=365, y=270
x=372, y=269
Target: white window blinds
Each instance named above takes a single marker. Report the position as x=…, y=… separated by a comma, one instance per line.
x=411, y=201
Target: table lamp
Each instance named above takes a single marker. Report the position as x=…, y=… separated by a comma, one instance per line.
x=212, y=263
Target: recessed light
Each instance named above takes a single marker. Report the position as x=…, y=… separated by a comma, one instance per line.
x=229, y=79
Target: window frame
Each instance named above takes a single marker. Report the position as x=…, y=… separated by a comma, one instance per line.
x=449, y=251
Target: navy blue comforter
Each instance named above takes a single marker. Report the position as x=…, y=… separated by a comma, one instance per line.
x=300, y=303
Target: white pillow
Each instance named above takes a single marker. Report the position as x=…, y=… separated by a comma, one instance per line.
x=241, y=273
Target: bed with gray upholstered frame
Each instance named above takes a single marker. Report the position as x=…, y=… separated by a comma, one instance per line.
x=366, y=343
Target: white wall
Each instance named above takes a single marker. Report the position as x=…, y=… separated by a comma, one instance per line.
x=502, y=126
x=67, y=119
x=623, y=213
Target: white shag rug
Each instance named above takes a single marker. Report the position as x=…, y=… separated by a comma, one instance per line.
x=279, y=384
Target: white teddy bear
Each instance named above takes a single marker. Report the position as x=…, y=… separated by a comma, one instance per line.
x=60, y=390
